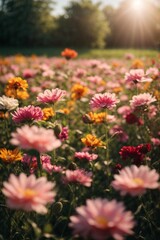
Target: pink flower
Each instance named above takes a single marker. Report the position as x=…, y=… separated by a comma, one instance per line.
x=28, y=193
x=63, y=134
x=78, y=176
x=40, y=139
x=104, y=100
x=27, y=114
x=86, y=155
x=136, y=75
x=101, y=219
x=135, y=180
x=51, y=96
x=143, y=99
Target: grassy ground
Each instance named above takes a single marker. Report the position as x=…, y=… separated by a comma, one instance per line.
x=83, y=53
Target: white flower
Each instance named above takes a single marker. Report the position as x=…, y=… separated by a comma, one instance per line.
x=7, y=103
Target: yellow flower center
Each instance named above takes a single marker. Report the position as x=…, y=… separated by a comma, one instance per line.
x=29, y=193
x=102, y=221
x=139, y=181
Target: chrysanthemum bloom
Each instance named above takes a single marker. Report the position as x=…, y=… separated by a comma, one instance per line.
x=135, y=180
x=92, y=141
x=69, y=53
x=104, y=100
x=9, y=156
x=78, y=91
x=64, y=134
x=136, y=154
x=39, y=139
x=17, y=88
x=29, y=113
x=28, y=193
x=51, y=96
x=131, y=118
x=136, y=75
x=92, y=117
x=8, y=104
x=86, y=155
x=142, y=100
x=153, y=72
x=101, y=219
x=78, y=176
x=119, y=132
x=47, y=113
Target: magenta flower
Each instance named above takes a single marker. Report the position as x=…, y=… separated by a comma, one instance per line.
x=28, y=193
x=104, y=100
x=135, y=180
x=142, y=100
x=27, y=114
x=101, y=219
x=63, y=134
x=39, y=139
x=51, y=96
x=86, y=155
x=78, y=176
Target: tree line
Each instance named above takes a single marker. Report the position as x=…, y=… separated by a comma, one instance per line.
x=83, y=24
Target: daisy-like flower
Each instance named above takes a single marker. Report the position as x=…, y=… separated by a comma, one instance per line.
x=17, y=88
x=142, y=100
x=8, y=104
x=47, y=113
x=92, y=117
x=9, y=156
x=78, y=91
x=51, y=96
x=104, y=100
x=78, y=176
x=101, y=219
x=69, y=53
x=28, y=193
x=136, y=75
x=39, y=139
x=92, y=141
x=86, y=155
x=28, y=113
x=135, y=180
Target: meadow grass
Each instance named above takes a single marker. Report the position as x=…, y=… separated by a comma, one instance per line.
x=83, y=53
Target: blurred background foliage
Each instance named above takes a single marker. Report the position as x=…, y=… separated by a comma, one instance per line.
x=31, y=23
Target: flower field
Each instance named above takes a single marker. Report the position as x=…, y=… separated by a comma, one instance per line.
x=79, y=148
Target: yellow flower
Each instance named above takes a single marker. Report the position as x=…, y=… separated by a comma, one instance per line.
x=10, y=156
x=117, y=89
x=78, y=91
x=65, y=111
x=137, y=63
x=47, y=113
x=97, y=117
x=16, y=88
x=92, y=141
x=4, y=115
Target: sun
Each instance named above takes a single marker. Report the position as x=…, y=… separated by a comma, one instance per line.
x=137, y=5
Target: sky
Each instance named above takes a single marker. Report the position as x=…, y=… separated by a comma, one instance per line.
x=60, y=4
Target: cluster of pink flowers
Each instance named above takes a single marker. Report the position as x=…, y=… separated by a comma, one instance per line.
x=78, y=176
x=86, y=155
x=137, y=75
x=142, y=100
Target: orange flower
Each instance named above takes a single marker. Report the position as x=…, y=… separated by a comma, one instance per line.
x=9, y=156
x=92, y=141
x=16, y=88
x=69, y=53
x=137, y=63
x=78, y=91
x=94, y=117
x=47, y=113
